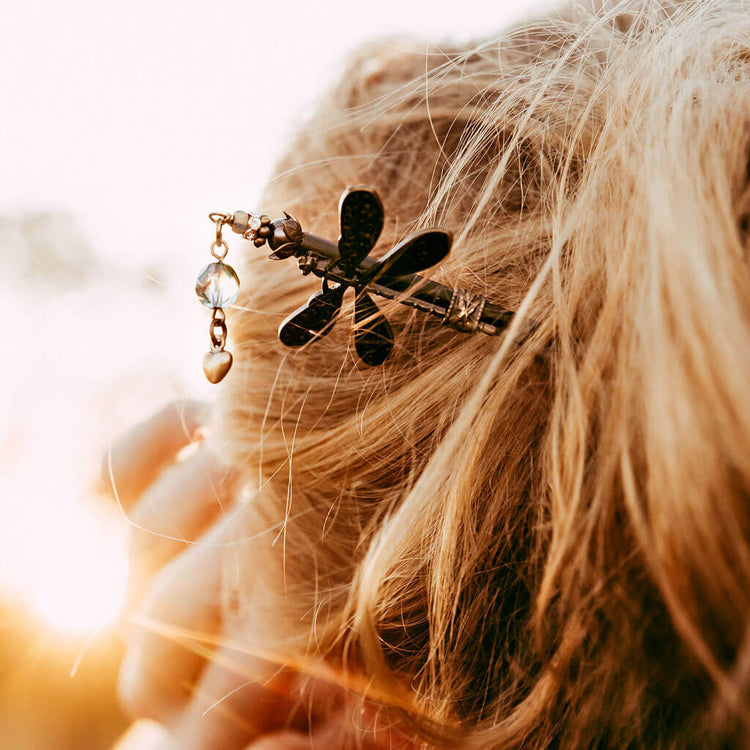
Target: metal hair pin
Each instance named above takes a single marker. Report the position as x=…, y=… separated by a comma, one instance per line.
x=341, y=265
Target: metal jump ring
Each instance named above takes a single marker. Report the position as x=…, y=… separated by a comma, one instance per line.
x=219, y=244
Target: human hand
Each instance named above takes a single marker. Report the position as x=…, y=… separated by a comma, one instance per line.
x=183, y=666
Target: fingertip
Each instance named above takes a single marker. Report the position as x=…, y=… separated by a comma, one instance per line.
x=190, y=414
x=133, y=460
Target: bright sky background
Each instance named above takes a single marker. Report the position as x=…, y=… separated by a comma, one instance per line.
x=140, y=117
x=137, y=119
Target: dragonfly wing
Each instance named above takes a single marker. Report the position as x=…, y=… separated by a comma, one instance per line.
x=312, y=319
x=373, y=337
x=361, y=221
x=414, y=254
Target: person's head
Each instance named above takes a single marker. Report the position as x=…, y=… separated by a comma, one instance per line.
x=522, y=540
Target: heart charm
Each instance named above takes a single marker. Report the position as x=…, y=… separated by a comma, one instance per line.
x=216, y=365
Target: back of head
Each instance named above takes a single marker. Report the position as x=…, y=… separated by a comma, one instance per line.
x=540, y=538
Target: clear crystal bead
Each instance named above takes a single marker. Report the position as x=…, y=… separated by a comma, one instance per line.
x=217, y=285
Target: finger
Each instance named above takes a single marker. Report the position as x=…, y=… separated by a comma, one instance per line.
x=134, y=460
x=242, y=698
x=239, y=698
x=166, y=646
x=175, y=510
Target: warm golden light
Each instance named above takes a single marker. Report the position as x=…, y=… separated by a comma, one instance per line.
x=83, y=588
x=75, y=583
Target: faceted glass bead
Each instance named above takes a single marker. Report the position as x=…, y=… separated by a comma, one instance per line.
x=217, y=285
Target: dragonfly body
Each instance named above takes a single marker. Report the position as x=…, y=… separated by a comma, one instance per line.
x=348, y=264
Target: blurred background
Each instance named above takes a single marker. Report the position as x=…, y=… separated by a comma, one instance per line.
x=123, y=125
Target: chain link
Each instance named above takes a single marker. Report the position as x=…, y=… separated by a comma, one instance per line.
x=217, y=330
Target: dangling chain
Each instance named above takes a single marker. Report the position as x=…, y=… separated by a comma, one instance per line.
x=217, y=286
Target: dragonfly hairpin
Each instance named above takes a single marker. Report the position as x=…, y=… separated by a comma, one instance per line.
x=342, y=265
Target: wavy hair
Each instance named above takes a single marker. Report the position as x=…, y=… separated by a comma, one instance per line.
x=538, y=541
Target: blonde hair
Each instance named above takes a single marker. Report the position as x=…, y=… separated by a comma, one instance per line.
x=539, y=541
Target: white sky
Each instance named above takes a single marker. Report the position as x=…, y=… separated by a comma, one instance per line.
x=141, y=117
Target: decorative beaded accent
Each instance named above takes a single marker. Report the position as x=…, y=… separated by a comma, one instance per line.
x=465, y=310
x=259, y=229
x=217, y=286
